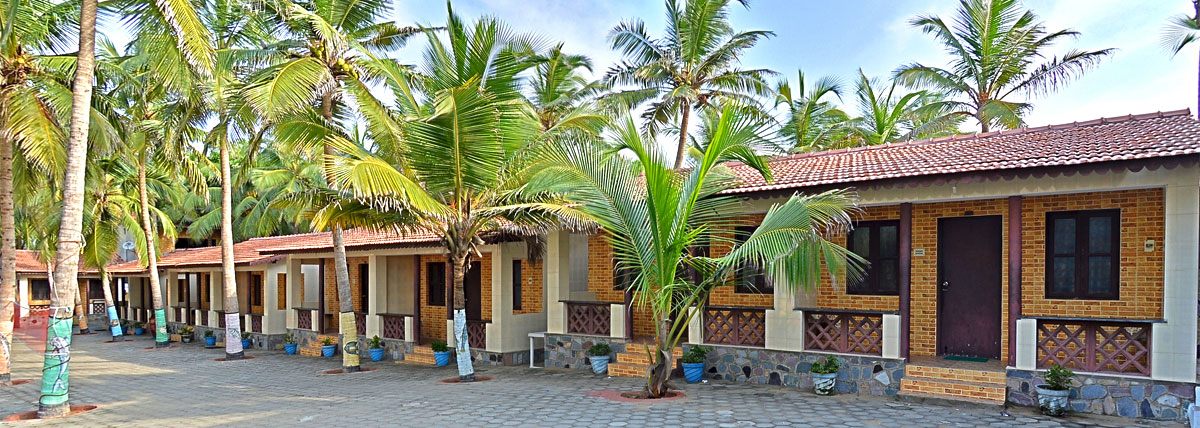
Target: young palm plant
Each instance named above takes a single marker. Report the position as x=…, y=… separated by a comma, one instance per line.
x=997, y=52
x=693, y=66
x=109, y=211
x=887, y=115
x=654, y=214
x=813, y=121
x=1180, y=32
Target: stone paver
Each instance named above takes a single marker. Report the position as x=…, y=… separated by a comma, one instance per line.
x=184, y=387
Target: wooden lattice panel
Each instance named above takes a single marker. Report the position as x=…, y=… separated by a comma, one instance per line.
x=256, y=323
x=393, y=327
x=360, y=323
x=303, y=319
x=476, y=334
x=1095, y=346
x=735, y=326
x=589, y=318
x=851, y=333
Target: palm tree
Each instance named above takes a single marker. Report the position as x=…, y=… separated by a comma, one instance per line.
x=561, y=96
x=694, y=65
x=813, y=121
x=456, y=169
x=109, y=211
x=653, y=215
x=998, y=50
x=324, y=42
x=55, y=401
x=1181, y=31
x=886, y=115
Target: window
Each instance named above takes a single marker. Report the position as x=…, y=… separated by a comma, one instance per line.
x=256, y=289
x=95, y=289
x=39, y=289
x=435, y=283
x=364, y=286
x=876, y=241
x=516, y=283
x=622, y=276
x=181, y=286
x=1083, y=254
x=701, y=248
x=750, y=277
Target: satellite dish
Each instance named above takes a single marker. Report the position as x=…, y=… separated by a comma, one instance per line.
x=128, y=245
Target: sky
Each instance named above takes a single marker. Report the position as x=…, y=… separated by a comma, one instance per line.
x=838, y=37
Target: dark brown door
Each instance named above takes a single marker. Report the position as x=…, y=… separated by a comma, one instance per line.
x=969, y=293
x=472, y=290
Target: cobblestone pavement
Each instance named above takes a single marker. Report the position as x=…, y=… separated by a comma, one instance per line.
x=185, y=387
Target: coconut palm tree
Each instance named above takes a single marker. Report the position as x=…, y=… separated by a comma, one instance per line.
x=561, y=96
x=653, y=215
x=886, y=115
x=1180, y=32
x=325, y=41
x=109, y=210
x=813, y=121
x=694, y=65
x=997, y=52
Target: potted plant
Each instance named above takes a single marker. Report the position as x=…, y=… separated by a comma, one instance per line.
x=824, y=375
x=246, y=341
x=1052, y=395
x=139, y=328
x=376, y=348
x=598, y=356
x=209, y=338
x=693, y=363
x=441, y=353
x=328, y=348
x=289, y=344
x=185, y=333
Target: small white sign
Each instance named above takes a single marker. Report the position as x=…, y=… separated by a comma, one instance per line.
x=918, y=252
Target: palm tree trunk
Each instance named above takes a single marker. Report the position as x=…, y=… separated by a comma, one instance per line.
x=80, y=312
x=660, y=371
x=460, y=262
x=8, y=258
x=233, y=318
x=55, y=400
x=161, y=340
x=346, y=324
x=683, y=126
x=110, y=308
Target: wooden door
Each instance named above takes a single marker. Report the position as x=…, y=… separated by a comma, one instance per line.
x=473, y=292
x=969, y=286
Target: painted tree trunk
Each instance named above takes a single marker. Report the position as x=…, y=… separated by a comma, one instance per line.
x=8, y=259
x=55, y=400
x=161, y=340
x=114, y=324
x=346, y=324
x=681, y=151
x=233, y=318
x=81, y=312
x=462, y=343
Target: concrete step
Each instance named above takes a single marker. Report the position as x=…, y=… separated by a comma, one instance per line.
x=954, y=389
x=634, y=359
x=955, y=402
x=990, y=377
x=627, y=370
x=420, y=358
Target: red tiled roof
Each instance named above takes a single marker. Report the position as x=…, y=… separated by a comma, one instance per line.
x=30, y=262
x=353, y=238
x=1133, y=137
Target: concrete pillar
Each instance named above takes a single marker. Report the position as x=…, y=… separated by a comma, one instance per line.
x=616, y=321
x=294, y=285
x=558, y=280
x=784, y=327
x=695, y=326
x=377, y=290
x=891, y=336
x=1174, y=343
x=1026, y=344
x=410, y=330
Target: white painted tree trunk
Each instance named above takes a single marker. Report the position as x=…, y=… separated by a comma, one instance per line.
x=233, y=318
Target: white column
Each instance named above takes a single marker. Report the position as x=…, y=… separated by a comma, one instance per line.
x=410, y=333
x=891, y=336
x=1027, y=344
x=784, y=324
x=1174, y=343
x=376, y=290
x=23, y=296
x=695, y=326
x=501, y=284
x=558, y=280
x=616, y=320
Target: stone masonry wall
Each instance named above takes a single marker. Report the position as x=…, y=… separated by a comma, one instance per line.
x=570, y=351
x=1111, y=395
x=860, y=375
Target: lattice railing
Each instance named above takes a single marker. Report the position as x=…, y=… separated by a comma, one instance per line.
x=204, y=318
x=735, y=326
x=393, y=326
x=589, y=318
x=98, y=307
x=256, y=323
x=304, y=319
x=360, y=323
x=179, y=317
x=220, y=319
x=1095, y=346
x=477, y=334
x=845, y=332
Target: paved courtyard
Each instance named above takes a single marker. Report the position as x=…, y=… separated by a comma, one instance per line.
x=185, y=387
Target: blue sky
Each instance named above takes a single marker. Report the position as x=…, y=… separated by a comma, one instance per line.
x=838, y=37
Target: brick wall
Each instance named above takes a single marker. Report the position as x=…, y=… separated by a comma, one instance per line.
x=832, y=295
x=600, y=269
x=433, y=325
x=531, y=287
x=1141, y=272
x=727, y=295
x=332, y=305
x=281, y=291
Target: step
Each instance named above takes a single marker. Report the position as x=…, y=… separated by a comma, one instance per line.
x=954, y=389
x=956, y=402
x=420, y=358
x=641, y=349
x=990, y=377
x=627, y=370
x=423, y=350
x=634, y=359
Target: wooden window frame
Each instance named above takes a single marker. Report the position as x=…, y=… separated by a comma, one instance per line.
x=622, y=277
x=256, y=289
x=750, y=279
x=435, y=297
x=875, y=258
x=516, y=284
x=1082, y=253
x=364, y=287
x=49, y=292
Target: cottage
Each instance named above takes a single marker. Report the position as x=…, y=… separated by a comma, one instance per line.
x=992, y=257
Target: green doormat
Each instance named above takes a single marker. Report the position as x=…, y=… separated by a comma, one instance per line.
x=971, y=359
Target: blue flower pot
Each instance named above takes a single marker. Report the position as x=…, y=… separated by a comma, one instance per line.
x=247, y=343
x=290, y=348
x=599, y=364
x=442, y=358
x=210, y=340
x=693, y=372
x=377, y=354
x=327, y=351
x=139, y=331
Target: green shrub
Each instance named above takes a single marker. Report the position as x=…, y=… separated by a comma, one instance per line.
x=327, y=341
x=696, y=354
x=208, y=333
x=289, y=338
x=439, y=346
x=186, y=330
x=245, y=335
x=1058, y=378
x=599, y=350
x=826, y=366
x=375, y=343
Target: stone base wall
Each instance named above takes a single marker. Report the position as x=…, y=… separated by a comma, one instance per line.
x=569, y=351
x=1111, y=395
x=483, y=357
x=393, y=349
x=861, y=375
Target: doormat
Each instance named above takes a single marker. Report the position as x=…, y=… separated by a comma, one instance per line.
x=971, y=359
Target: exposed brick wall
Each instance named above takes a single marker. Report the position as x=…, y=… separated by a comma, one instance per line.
x=531, y=287
x=485, y=285
x=281, y=291
x=332, y=305
x=727, y=295
x=833, y=295
x=600, y=269
x=1141, y=273
x=433, y=318
x=256, y=309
